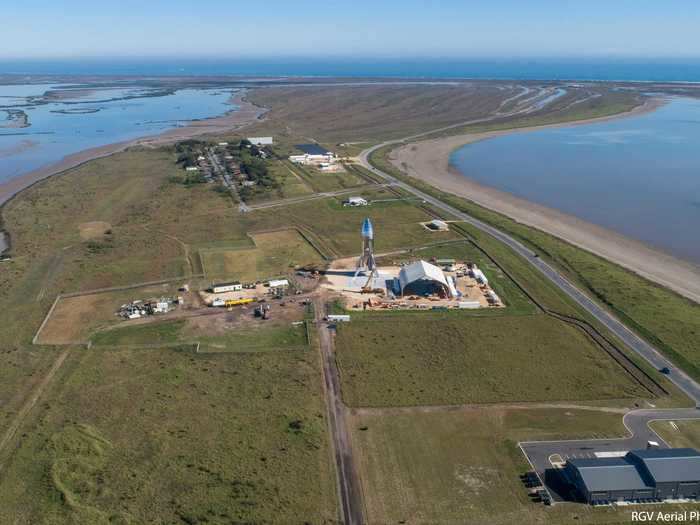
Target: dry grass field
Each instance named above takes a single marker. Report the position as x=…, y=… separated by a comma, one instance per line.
x=367, y=113
x=275, y=254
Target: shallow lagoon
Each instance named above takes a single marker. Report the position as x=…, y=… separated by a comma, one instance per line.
x=80, y=120
x=639, y=176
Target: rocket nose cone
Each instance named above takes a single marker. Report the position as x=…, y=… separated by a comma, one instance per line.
x=367, y=230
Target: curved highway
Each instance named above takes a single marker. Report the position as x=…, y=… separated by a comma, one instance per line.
x=632, y=340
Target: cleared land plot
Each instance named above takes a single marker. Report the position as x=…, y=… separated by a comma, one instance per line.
x=464, y=466
x=169, y=436
x=274, y=254
x=265, y=336
x=322, y=181
x=75, y=318
x=406, y=362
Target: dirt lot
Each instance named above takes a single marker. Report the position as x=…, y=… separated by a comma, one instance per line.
x=75, y=318
x=94, y=229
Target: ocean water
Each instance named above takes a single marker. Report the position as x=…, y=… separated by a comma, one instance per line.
x=82, y=120
x=687, y=70
x=639, y=176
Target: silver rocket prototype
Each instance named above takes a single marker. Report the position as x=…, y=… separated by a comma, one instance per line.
x=367, y=264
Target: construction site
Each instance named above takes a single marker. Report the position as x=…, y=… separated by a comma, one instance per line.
x=422, y=285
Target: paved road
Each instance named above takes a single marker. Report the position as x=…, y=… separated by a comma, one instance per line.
x=636, y=343
x=542, y=453
x=348, y=480
x=314, y=196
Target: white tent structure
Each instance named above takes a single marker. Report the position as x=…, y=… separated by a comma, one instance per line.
x=421, y=278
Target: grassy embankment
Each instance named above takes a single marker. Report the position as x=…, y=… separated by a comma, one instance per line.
x=678, y=433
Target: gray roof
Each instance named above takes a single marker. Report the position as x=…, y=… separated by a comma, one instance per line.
x=639, y=469
x=312, y=149
x=605, y=474
x=670, y=464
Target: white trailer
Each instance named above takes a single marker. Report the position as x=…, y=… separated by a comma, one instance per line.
x=338, y=318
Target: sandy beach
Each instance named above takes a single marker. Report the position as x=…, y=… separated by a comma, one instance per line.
x=246, y=114
x=429, y=161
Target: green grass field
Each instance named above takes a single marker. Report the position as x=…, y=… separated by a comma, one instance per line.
x=270, y=336
x=457, y=360
x=396, y=224
x=21, y=369
x=464, y=466
x=169, y=436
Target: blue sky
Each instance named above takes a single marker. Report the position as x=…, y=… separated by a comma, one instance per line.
x=359, y=28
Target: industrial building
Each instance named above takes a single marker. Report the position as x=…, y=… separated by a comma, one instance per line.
x=260, y=141
x=313, y=154
x=423, y=278
x=644, y=475
x=355, y=201
x=438, y=225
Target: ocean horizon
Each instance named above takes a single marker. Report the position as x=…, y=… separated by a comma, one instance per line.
x=596, y=69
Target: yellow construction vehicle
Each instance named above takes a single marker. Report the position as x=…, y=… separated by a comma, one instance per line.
x=238, y=302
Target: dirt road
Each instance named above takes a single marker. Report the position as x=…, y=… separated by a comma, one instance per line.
x=348, y=480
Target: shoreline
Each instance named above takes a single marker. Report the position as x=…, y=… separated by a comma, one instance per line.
x=234, y=119
x=428, y=161
x=231, y=120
